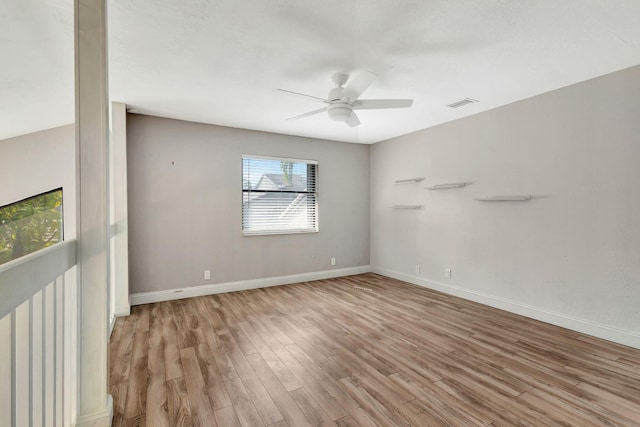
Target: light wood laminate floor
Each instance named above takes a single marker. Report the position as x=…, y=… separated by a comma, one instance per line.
x=363, y=350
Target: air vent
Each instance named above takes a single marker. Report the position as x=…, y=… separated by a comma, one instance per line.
x=462, y=103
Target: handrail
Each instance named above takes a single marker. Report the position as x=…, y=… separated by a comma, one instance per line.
x=25, y=276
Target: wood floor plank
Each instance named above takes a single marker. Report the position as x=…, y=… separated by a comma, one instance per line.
x=178, y=409
x=226, y=417
x=309, y=342
x=142, y=312
x=156, y=409
x=119, y=396
x=173, y=366
x=259, y=396
x=245, y=409
x=582, y=404
x=241, y=340
x=372, y=380
x=285, y=376
x=136, y=421
x=614, y=402
x=447, y=406
x=201, y=409
x=327, y=382
x=532, y=372
x=278, y=334
x=218, y=353
x=117, y=328
x=380, y=413
x=121, y=363
x=212, y=379
x=347, y=421
x=138, y=379
x=310, y=408
x=279, y=394
x=418, y=415
x=598, y=343
x=324, y=399
x=485, y=405
x=362, y=350
x=184, y=320
x=566, y=416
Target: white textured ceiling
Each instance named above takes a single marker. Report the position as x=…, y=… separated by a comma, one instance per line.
x=219, y=61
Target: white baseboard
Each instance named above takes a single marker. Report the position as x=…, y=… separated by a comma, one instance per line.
x=217, y=288
x=98, y=419
x=609, y=333
x=122, y=311
x=112, y=323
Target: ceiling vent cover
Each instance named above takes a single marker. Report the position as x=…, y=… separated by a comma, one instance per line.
x=462, y=103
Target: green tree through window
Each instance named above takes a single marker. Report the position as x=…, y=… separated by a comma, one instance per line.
x=287, y=171
x=30, y=224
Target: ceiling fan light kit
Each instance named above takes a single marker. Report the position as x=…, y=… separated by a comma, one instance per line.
x=343, y=100
x=339, y=112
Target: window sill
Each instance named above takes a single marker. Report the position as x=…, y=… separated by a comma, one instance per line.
x=277, y=232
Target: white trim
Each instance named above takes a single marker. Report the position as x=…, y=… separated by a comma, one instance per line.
x=405, y=181
x=504, y=199
x=92, y=190
x=286, y=159
x=98, y=419
x=445, y=186
x=112, y=323
x=118, y=182
x=610, y=333
x=407, y=206
x=122, y=311
x=21, y=278
x=217, y=288
x=279, y=231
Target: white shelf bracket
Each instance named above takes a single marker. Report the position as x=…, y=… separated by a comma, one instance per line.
x=504, y=199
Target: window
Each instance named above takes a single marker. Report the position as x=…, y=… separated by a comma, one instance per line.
x=30, y=224
x=278, y=195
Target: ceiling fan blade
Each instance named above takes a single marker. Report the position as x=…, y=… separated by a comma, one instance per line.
x=353, y=120
x=310, y=113
x=359, y=84
x=375, y=104
x=289, y=92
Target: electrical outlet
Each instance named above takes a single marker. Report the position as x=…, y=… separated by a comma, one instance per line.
x=207, y=274
x=333, y=261
x=447, y=273
x=418, y=269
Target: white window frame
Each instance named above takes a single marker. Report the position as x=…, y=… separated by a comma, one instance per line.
x=262, y=232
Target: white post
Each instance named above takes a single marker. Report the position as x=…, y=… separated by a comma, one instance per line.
x=94, y=407
x=120, y=281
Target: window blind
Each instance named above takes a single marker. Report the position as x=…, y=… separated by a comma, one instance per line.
x=279, y=195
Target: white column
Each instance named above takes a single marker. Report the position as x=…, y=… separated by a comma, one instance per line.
x=94, y=408
x=120, y=279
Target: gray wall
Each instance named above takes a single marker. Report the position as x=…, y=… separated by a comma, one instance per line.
x=185, y=201
x=574, y=249
x=37, y=162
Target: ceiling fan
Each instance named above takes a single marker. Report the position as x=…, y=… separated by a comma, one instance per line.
x=343, y=100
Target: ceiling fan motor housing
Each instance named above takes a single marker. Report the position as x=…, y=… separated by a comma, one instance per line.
x=339, y=79
x=343, y=100
x=340, y=112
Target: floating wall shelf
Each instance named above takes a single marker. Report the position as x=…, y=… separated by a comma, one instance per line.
x=504, y=199
x=406, y=181
x=406, y=206
x=449, y=185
